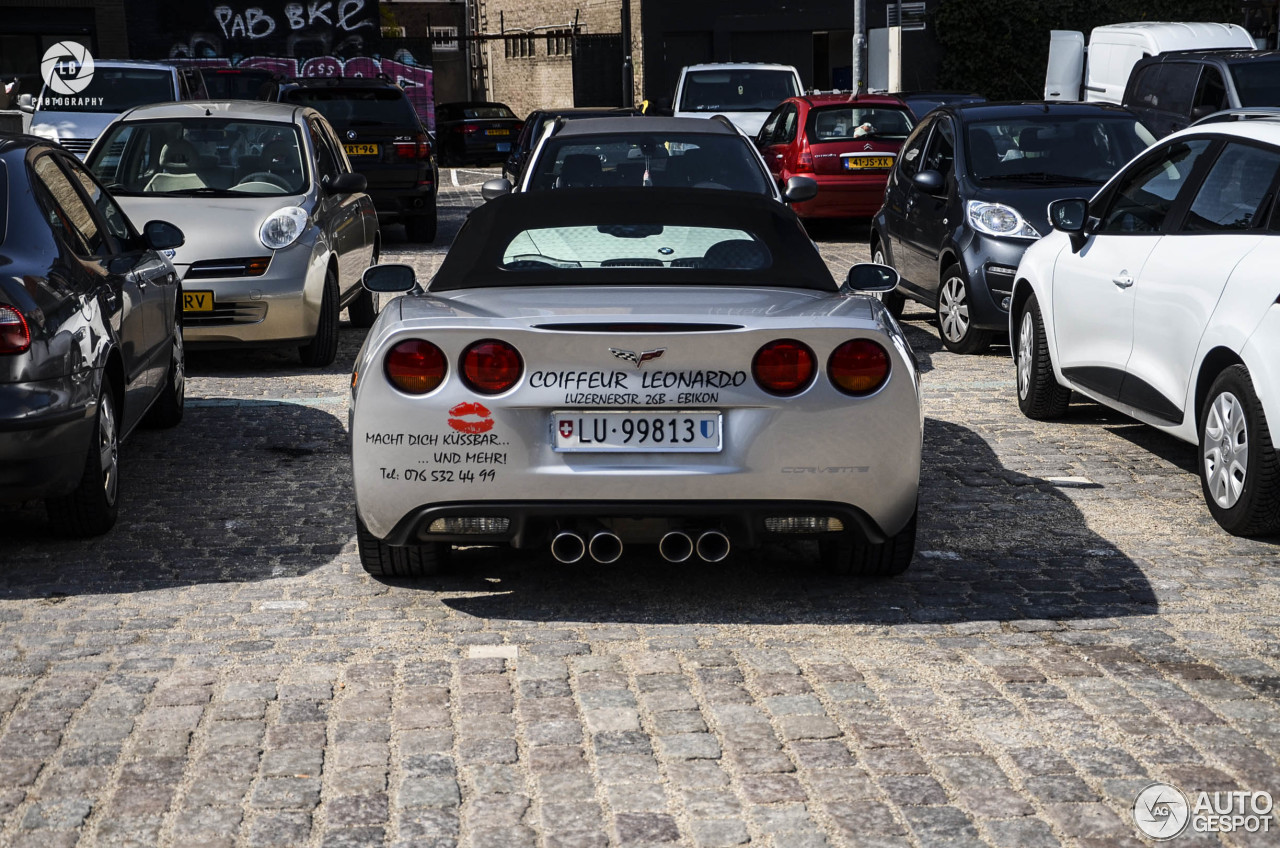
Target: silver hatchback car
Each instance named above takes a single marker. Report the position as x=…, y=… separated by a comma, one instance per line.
x=279, y=229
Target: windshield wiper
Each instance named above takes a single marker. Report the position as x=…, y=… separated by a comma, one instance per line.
x=1037, y=177
x=207, y=191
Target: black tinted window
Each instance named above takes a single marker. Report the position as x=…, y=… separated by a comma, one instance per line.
x=355, y=107
x=942, y=149
x=1145, y=195
x=1234, y=192
x=66, y=213
x=1066, y=149
x=909, y=159
x=842, y=123
x=235, y=85
x=1257, y=82
x=676, y=160
x=1175, y=87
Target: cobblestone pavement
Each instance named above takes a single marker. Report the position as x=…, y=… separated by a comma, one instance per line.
x=220, y=671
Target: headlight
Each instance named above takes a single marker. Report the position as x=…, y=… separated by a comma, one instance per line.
x=283, y=227
x=996, y=219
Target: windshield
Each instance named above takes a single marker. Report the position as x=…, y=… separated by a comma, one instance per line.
x=635, y=246
x=844, y=123
x=235, y=85
x=214, y=156
x=114, y=90
x=1257, y=82
x=358, y=107
x=756, y=90
x=676, y=160
x=1053, y=149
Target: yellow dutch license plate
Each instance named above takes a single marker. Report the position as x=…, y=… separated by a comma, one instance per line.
x=361, y=149
x=857, y=163
x=197, y=301
x=497, y=132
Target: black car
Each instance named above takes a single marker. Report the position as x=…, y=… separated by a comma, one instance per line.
x=1172, y=90
x=237, y=83
x=476, y=132
x=538, y=119
x=969, y=193
x=385, y=140
x=922, y=103
x=90, y=340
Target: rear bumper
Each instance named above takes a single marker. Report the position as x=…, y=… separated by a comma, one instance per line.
x=533, y=523
x=844, y=197
x=42, y=453
x=394, y=204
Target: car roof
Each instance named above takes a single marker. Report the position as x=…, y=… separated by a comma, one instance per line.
x=644, y=123
x=340, y=82
x=716, y=66
x=9, y=143
x=1227, y=54
x=1025, y=108
x=124, y=63
x=1263, y=129
x=837, y=98
x=473, y=103
x=256, y=110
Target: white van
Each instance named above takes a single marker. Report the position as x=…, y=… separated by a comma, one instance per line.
x=74, y=121
x=744, y=92
x=1115, y=48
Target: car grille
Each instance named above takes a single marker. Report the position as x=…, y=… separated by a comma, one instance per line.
x=78, y=146
x=212, y=268
x=223, y=313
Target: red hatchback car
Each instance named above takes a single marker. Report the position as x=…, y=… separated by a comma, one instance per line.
x=847, y=143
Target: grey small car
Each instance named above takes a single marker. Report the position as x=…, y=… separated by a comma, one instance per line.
x=279, y=229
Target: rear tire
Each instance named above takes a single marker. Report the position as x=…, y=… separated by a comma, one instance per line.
x=1040, y=396
x=422, y=228
x=955, y=321
x=323, y=348
x=92, y=508
x=894, y=301
x=383, y=560
x=891, y=557
x=1239, y=469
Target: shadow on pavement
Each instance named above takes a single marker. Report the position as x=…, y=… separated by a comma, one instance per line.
x=994, y=545
x=241, y=490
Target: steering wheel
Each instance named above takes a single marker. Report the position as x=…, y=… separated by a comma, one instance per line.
x=265, y=177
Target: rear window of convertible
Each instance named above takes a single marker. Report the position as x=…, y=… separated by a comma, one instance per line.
x=635, y=246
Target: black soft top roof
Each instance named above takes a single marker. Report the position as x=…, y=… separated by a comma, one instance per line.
x=475, y=259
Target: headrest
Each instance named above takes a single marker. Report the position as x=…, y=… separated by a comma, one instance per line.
x=178, y=157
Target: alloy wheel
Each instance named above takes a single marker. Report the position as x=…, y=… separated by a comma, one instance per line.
x=1026, y=346
x=108, y=448
x=1226, y=450
x=878, y=258
x=953, y=310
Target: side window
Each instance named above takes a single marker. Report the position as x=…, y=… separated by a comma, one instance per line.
x=326, y=163
x=770, y=126
x=913, y=150
x=1144, y=86
x=67, y=213
x=1176, y=86
x=1144, y=195
x=339, y=152
x=942, y=149
x=786, y=131
x=1236, y=189
x=1211, y=93
x=112, y=215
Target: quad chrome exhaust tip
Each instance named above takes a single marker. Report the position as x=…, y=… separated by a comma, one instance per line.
x=712, y=546
x=568, y=547
x=676, y=546
x=605, y=547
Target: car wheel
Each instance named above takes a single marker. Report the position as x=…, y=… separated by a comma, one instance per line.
x=363, y=311
x=167, y=410
x=890, y=557
x=91, y=509
x=894, y=301
x=1239, y=470
x=1040, y=396
x=324, y=347
x=422, y=228
x=383, y=560
x=955, y=322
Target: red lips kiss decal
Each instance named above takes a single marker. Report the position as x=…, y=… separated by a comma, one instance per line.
x=471, y=418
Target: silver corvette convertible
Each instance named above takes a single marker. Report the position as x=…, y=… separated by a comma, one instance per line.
x=595, y=370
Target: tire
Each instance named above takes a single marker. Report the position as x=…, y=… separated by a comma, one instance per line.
x=92, y=508
x=383, y=560
x=323, y=348
x=1239, y=470
x=167, y=410
x=955, y=324
x=1040, y=396
x=887, y=559
x=363, y=311
x=422, y=228
x=894, y=301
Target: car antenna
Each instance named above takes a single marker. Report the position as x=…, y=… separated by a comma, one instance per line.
x=207, y=113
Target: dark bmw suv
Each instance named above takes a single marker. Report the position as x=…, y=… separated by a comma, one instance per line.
x=385, y=140
x=969, y=193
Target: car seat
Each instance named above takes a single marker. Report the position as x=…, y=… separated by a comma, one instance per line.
x=736, y=255
x=579, y=170
x=178, y=161
x=280, y=157
x=984, y=158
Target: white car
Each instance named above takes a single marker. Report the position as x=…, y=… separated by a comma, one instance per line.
x=1158, y=298
x=744, y=92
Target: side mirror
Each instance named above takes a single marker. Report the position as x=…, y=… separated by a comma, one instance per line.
x=800, y=189
x=161, y=235
x=347, y=184
x=390, y=279
x=930, y=182
x=26, y=103
x=870, y=277
x=1071, y=216
x=495, y=188
x=1200, y=112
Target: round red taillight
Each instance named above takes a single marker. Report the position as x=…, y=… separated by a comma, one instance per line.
x=490, y=367
x=15, y=335
x=415, y=366
x=858, y=367
x=784, y=367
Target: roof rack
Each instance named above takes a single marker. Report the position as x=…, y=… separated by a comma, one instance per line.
x=1252, y=113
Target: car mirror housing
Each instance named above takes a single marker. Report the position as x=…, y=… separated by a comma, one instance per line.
x=392, y=278
x=1069, y=215
x=347, y=184
x=871, y=277
x=929, y=181
x=495, y=188
x=26, y=103
x=800, y=189
x=161, y=235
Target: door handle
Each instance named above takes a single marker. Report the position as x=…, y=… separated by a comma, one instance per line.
x=1123, y=281
x=777, y=156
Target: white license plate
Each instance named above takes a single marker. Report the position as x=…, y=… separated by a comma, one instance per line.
x=631, y=431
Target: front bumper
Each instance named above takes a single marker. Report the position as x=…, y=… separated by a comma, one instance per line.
x=43, y=449
x=991, y=266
